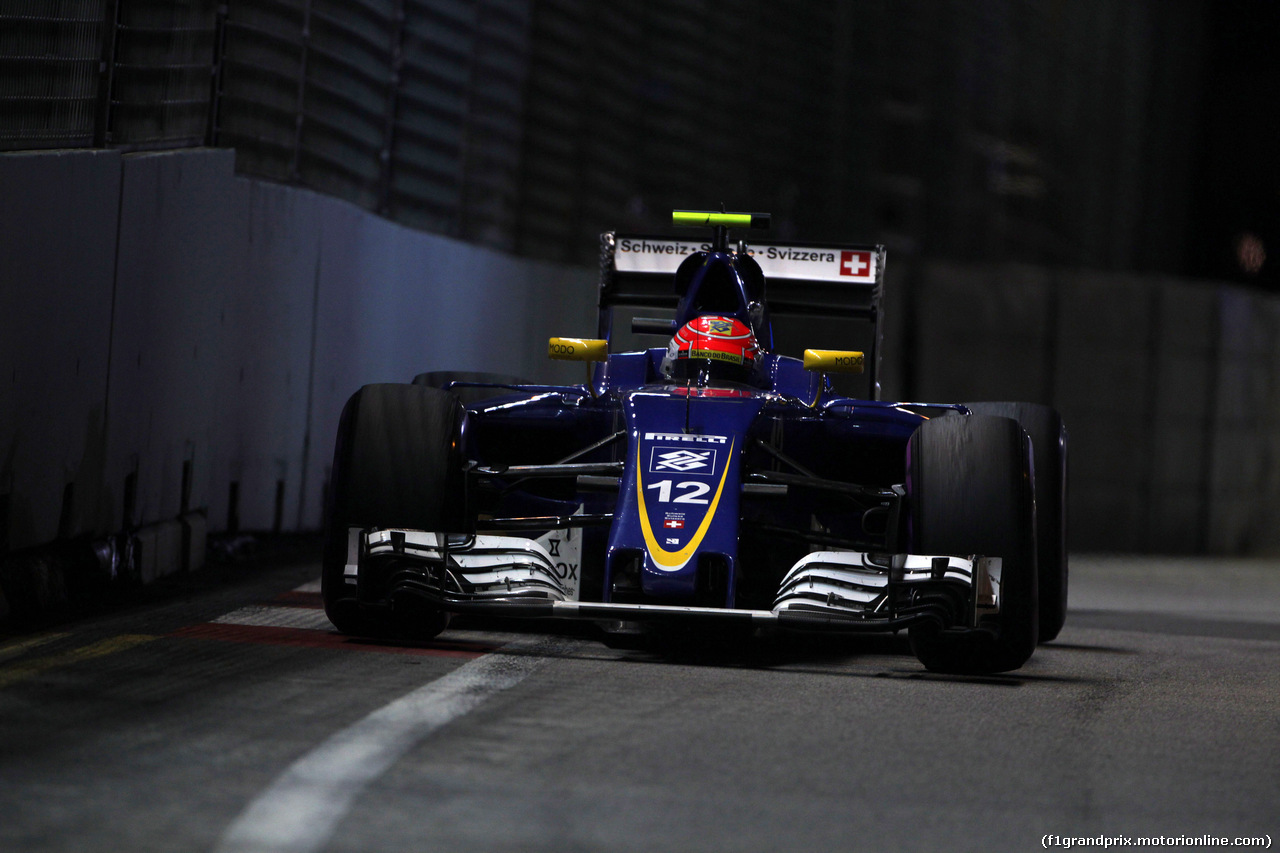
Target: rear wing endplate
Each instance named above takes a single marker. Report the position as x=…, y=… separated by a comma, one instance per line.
x=803, y=280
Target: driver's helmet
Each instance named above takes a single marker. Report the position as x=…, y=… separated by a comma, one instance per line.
x=712, y=346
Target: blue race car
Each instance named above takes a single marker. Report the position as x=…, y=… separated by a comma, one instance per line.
x=709, y=483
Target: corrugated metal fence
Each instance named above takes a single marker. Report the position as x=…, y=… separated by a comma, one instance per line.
x=392, y=104
x=79, y=73
x=531, y=125
x=51, y=57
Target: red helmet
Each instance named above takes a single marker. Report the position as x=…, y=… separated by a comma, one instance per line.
x=721, y=347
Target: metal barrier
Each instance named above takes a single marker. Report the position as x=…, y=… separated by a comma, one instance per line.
x=101, y=73
x=161, y=60
x=50, y=56
x=531, y=125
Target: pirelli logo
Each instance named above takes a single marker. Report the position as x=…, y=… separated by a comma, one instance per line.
x=689, y=439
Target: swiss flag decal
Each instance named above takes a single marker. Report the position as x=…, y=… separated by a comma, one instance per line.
x=857, y=264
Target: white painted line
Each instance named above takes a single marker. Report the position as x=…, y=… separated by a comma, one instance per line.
x=299, y=812
x=272, y=616
x=309, y=586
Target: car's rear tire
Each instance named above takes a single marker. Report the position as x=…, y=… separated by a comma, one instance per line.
x=969, y=491
x=1049, y=444
x=395, y=464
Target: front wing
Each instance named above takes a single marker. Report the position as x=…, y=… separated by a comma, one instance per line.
x=836, y=591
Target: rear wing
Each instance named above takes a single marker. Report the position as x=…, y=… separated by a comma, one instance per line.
x=802, y=281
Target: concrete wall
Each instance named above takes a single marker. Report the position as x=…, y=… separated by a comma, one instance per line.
x=58, y=217
x=1244, y=476
x=176, y=344
x=173, y=334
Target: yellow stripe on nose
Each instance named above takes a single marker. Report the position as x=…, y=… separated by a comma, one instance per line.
x=675, y=560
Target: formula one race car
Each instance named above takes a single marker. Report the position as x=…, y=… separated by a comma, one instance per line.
x=708, y=482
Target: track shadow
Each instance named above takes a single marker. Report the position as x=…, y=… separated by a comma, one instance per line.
x=1175, y=624
x=1095, y=649
x=834, y=657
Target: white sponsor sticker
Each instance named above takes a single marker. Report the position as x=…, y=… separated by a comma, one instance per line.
x=813, y=263
x=816, y=263
x=632, y=254
x=564, y=547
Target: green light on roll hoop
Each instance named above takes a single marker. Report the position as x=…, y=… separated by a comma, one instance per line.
x=713, y=218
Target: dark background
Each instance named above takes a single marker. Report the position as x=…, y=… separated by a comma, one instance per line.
x=1238, y=171
x=1129, y=135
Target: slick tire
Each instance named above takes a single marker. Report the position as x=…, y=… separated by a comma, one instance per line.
x=1049, y=445
x=395, y=464
x=970, y=491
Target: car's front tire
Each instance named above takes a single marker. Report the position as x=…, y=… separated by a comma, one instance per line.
x=396, y=464
x=1049, y=445
x=970, y=491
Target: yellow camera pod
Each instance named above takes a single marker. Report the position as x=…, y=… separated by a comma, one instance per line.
x=578, y=349
x=833, y=360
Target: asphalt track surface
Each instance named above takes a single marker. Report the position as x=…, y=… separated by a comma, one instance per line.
x=228, y=717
